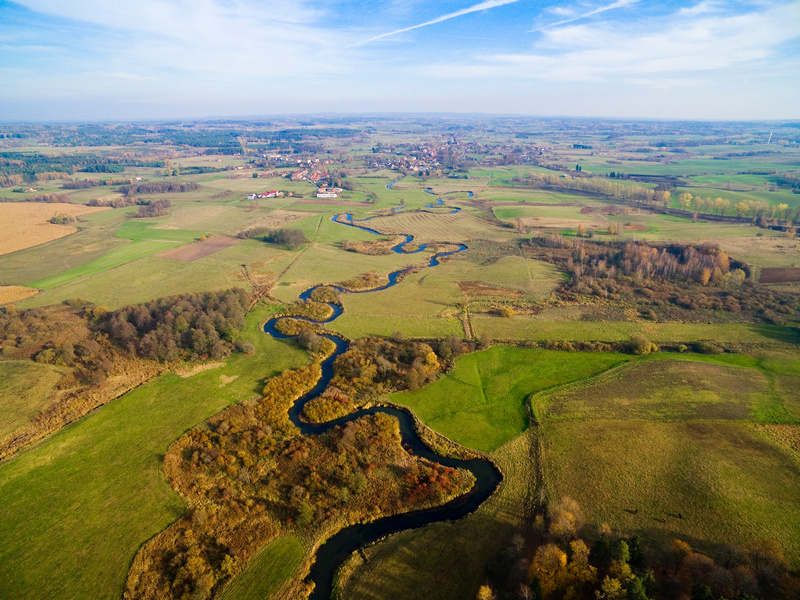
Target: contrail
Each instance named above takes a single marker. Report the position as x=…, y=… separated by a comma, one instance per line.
x=597, y=11
x=464, y=11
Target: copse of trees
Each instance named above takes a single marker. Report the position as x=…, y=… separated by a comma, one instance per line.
x=157, y=208
x=188, y=326
x=159, y=187
x=62, y=219
x=293, y=238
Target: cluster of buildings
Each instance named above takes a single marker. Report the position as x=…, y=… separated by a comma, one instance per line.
x=270, y=194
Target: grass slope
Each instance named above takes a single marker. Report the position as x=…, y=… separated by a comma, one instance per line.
x=268, y=570
x=74, y=510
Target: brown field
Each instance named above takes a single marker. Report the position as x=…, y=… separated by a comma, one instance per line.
x=279, y=218
x=779, y=275
x=559, y=223
x=15, y=293
x=477, y=288
x=329, y=202
x=428, y=227
x=195, y=250
x=763, y=251
x=190, y=370
x=25, y=224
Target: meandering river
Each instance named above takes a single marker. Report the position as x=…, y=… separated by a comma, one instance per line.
x=339, y=546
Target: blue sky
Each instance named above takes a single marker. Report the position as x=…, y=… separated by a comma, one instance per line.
x=154, y=59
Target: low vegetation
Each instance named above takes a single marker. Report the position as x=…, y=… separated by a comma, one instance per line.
x=250, y=477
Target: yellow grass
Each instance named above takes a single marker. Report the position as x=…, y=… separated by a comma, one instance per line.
x=15, y=293
x=189, y=370
x=25, y=224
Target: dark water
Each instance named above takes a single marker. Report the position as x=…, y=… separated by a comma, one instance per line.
x=338, y=547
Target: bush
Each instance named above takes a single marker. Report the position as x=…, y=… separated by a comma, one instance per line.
x=641, y=346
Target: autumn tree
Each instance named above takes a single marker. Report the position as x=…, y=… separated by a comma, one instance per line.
x=566, y=518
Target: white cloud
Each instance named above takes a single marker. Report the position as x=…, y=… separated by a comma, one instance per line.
x=676, y=47
x=703, y=8
x=271, y=38
x=576, y=17
x=486, y=5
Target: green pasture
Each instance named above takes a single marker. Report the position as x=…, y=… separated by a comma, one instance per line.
x=702, y=166
x=355, y=327
x=762, y=195
x=267, y=571
x=561, y=212
x=481, y=404
x=529, y=195
x=153, y=277
x=76, y=508
x=130, y=252
x=326, y=263
x=715, y=181
x=666, y=227
x=666, y=438
x=145, y=231
x=25, y=388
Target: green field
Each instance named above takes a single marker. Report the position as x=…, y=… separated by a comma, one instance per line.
x=115, y=258
x=435, y=292
x=95, y=491
x=671, y=438
x=154, y=277
x=561, y=212
x=141, y=230
x=522, y=327
x=24, y=391
x=481, y=404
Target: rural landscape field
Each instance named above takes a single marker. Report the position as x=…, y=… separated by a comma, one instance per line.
x=396, y=357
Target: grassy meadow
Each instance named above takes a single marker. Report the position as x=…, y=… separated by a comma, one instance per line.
x=95, y=491
x=676, y=441
x=268, y=570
